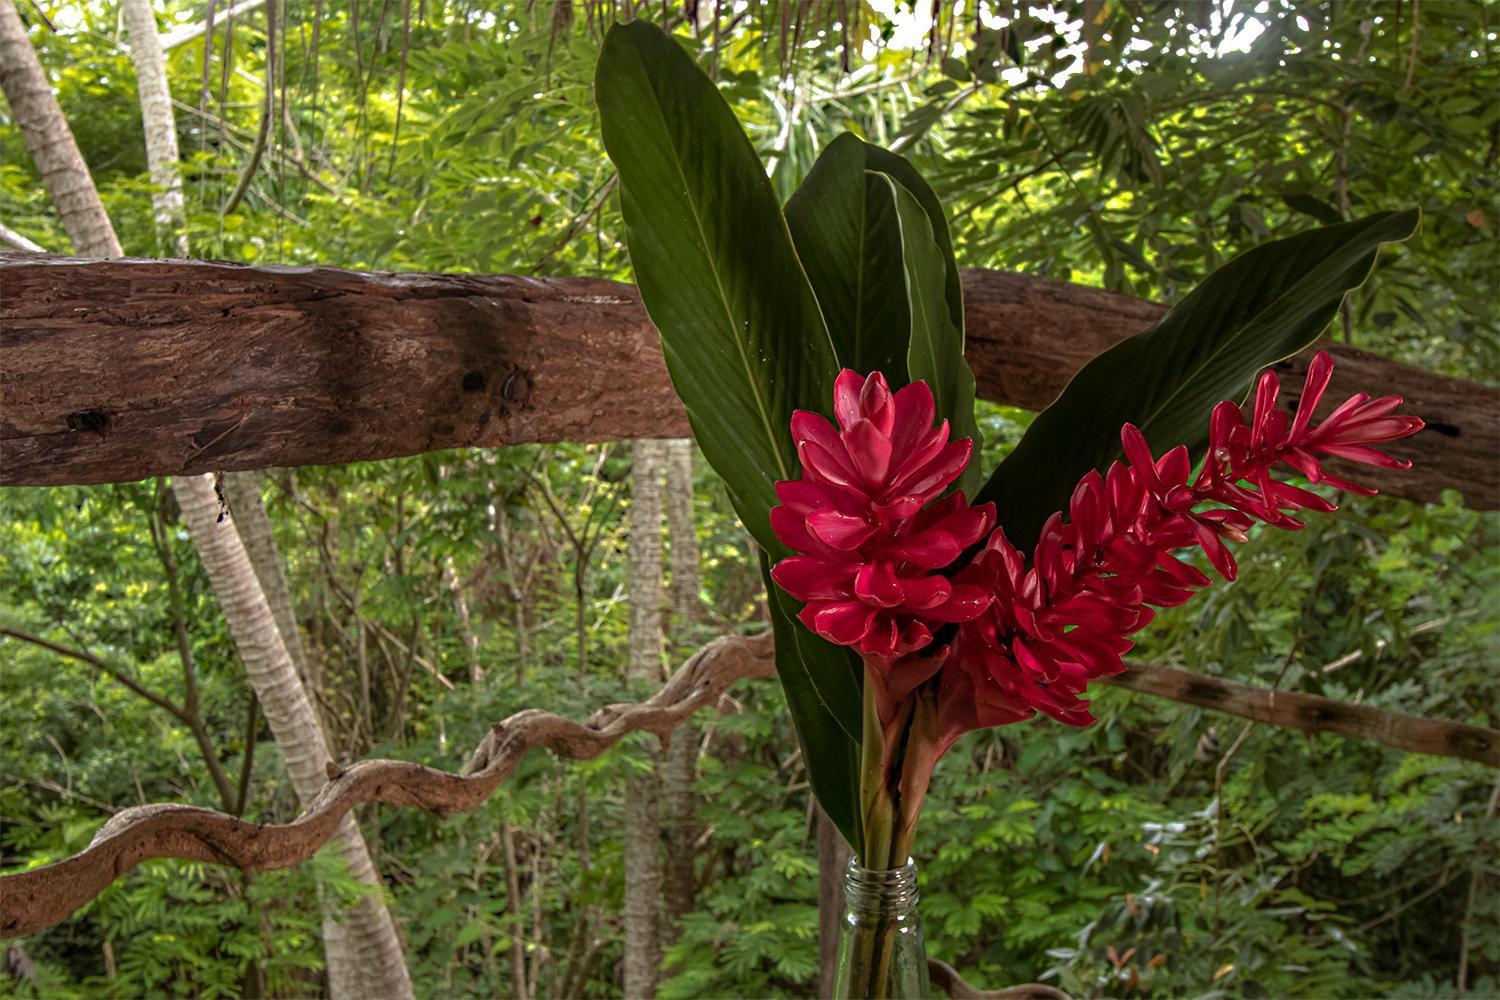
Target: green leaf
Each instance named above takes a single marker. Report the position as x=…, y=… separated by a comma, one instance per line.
x=936, y=352
x=843, y=223
x=897, y=166
x=1265, y=305
x=744, y=341
x=830, y=752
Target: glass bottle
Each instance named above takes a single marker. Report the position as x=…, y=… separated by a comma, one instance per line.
x=881, y=954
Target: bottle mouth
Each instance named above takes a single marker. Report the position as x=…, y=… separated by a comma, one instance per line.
x=888, y=891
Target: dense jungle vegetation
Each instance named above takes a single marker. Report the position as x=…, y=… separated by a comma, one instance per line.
x=1166, y=851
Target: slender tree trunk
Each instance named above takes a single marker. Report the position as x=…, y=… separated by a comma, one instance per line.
x=465, y=621
x=516, y=917
x=520, y=627
x=242, y=490
x=253, y=525
x=159, y=123
x=369, y=933
x=679, y=878
x=50, y=141
x=642, y=834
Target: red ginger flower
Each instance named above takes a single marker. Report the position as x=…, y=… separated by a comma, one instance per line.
x=1065, y=621
x=871, y=546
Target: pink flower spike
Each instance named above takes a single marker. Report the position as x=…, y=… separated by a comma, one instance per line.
x=867, y=547
x=847, y=389
x=1091, y=583
x=1265, y=402
x=1319, y=373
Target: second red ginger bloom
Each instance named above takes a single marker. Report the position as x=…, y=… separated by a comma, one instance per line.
x=878, y=549
x=863, y=517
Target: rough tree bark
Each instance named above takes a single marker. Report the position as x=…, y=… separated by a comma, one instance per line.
x=368, y=933
x=279, y=366
x=642, y=832
x=37, y=114
x=253, y=525
x=242, y=491
x=679, y=876
x=159, y=123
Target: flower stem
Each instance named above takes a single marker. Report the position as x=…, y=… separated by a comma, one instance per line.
x=889, y=826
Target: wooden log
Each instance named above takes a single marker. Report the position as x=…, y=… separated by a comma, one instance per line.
x=1312, y=713
x=119, y=370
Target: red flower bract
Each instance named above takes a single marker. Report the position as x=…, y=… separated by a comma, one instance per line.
x=1094, y=579
x=863, y=517
x=878, y=548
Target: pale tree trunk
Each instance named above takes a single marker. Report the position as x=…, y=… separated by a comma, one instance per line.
x=36, y=113
x=242, y=490
x=159, y=123
x=679, y=879
x=642, y=835
x=465, y=620
x=369, y=934
x=515, y=591
x=253, y=525
x=50, y=141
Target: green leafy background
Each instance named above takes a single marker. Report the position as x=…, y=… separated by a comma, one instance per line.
x=1334, y=869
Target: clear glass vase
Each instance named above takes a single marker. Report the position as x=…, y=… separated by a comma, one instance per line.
x=881, y=954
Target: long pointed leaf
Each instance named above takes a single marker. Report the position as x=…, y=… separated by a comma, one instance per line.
x=744, y=340
x=1265, y=305
x=897, y=166
x=743, y=337
x=936, y=351
x=843, y=223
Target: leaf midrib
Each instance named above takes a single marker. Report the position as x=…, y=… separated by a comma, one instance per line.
x=914, y=290
x=1149, y=420
x=729, y=314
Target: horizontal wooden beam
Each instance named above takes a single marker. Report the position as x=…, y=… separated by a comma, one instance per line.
x=120, y=370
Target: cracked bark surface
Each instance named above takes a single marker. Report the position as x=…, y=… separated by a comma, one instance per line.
x=120, y=370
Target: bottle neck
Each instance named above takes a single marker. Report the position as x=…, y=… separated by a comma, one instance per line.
x=885, y=892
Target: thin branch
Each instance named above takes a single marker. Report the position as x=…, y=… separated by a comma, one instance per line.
x=247, y=763
x=1313, y=714
x=18, y=241
x=580, y=223
x=946, y=978
x=182, y=36
x=41, y=897
x=264, y=132
x=84, y=656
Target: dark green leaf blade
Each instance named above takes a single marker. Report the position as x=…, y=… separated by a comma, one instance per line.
x=845, y=231
x=1265, y=305
x=886, y=162
x=743, y=337
x=829, y=752
x=936, y=352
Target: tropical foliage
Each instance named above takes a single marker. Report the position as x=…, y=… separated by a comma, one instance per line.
x=1166, y=851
